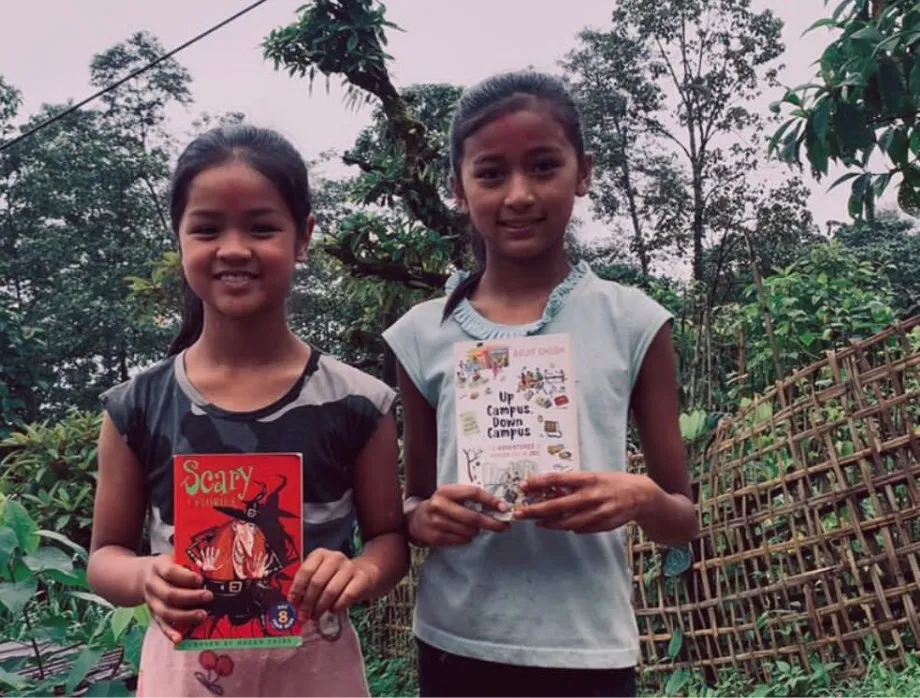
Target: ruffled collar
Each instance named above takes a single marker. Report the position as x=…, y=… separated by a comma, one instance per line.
x=479, y=327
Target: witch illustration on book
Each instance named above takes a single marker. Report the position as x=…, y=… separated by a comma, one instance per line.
x=242, y=563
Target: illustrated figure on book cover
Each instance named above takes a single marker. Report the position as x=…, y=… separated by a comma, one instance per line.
x=242, y=561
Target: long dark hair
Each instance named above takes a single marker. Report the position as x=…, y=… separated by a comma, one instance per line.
x=267, y=152
x=492, y=99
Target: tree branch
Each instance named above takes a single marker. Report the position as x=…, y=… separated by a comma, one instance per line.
x=387, y=271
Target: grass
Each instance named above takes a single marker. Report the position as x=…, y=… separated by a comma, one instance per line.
x=880, y=681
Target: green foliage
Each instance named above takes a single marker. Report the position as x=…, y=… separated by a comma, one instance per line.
x=789, y=679
x=46, y=604
x=21, y=373
x=52, y=468
x=862, y=103
x=665, y=94
x=71, y=235
x=386, y=675
x=893, y=247
x=398, y=156
x=821, y=301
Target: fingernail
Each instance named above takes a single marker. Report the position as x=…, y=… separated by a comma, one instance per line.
x=502, y=506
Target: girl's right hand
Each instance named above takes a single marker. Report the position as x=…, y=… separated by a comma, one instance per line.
x=174, y=596
x=444, y=520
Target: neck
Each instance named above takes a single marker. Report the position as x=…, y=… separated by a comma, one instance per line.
x=522, y=280
x=241, y=343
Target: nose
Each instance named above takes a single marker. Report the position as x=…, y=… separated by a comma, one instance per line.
x=234, y=245
x=520, y=192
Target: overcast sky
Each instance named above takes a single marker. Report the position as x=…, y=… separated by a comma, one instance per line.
x=46, y=47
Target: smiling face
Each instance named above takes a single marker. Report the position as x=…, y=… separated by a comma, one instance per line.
x=239, y=241
x=519, y=178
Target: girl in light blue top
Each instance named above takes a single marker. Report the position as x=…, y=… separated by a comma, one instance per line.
x=541, y=605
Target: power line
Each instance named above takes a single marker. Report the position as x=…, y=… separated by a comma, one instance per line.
x=139, y=71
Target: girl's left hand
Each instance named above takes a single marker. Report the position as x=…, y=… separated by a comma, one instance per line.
x=327, y=581
x=594, y=502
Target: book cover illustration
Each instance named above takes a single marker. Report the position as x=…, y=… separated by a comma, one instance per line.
x=239, y=524
x=516, y=414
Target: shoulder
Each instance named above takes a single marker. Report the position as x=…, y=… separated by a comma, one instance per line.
x=629, y=307
x=126, y=400
x=423, y=316
x=334, y=381
x=141, y=384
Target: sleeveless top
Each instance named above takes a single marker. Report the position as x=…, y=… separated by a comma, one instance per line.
x=530, y=596
x=328, y=416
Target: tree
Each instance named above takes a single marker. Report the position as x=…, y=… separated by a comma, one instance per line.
x=892, y=245
x=73, y=234
x=347, y=38
x=860, y=110
x=608, y=77
x=701, y=62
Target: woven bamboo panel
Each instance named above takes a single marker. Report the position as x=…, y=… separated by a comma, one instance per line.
x=809, y=500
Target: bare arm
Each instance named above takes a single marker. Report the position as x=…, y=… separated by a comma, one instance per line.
x=379, y=507
x=420, y=439
x=669, y=516
x=115, y=571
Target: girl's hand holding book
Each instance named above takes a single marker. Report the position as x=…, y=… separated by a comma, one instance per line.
x=328, y=580
x=596, y=501
x=445, y=520
x=174, y=596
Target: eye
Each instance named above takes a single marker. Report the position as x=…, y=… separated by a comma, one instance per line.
x=544, y=167
x=489, y=174
x=204, y=231
x=263, y=230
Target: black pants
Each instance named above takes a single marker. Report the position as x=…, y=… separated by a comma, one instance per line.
x=446, y=675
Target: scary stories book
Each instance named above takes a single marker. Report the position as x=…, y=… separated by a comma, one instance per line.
x=515, y=412
x=239, y=525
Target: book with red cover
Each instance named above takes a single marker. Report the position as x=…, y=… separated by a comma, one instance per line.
x=239, y=524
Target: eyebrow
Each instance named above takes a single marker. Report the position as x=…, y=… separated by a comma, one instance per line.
x=209, y=213
x=536, y=152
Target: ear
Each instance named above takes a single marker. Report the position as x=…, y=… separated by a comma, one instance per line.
x=584, y=176
x=303, y=245
x=457, y=187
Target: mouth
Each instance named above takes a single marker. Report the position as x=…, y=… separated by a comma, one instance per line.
x=521, y=223
x=236, y=276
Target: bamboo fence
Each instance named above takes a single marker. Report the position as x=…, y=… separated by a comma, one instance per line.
x=809, y=502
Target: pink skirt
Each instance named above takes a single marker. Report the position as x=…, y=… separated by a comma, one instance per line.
x=326, y=664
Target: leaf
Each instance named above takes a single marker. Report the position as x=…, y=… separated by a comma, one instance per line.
x=142, y=615
x=108, y=689
x=898, y=149
x=679, y=679
x=820, y=119
x=133, y=644
x=17, y=518
x=890, y=85
x=676, y=644
x=762, y=691
x=85, y=661
x=9, y=544
x=92, y=598
x=824, y=22
x=16, y=595
x=13, y=681
x=869, y=33
x=48, y=558
x=65, y=541
x=846, y=178
x=121, y=619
